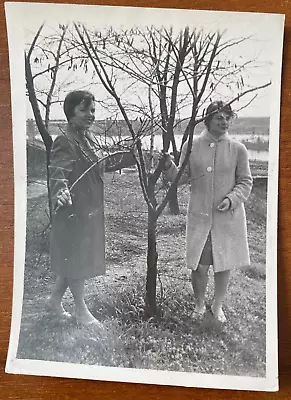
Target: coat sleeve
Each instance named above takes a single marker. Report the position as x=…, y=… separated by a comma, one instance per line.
x=119, y=160
x=172, y=171
x=243, y=179
x=61, y=165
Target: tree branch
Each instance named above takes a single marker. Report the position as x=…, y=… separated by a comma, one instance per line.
x=53, y=83
x=109, y=87
x=34, y=42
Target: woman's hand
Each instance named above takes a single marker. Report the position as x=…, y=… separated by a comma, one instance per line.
x=64, y=198
x=168, y=161
x=224, y=205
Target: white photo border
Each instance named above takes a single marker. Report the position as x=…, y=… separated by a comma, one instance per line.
x=14, y=16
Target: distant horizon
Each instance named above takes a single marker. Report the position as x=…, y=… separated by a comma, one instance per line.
x=106, y=119
x=240, y=125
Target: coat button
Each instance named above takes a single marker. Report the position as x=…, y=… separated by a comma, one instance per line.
x=211, y=145
x=209, y=169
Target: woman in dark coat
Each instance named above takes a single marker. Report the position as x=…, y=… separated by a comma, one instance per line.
x=77, y=196
x=221, y=181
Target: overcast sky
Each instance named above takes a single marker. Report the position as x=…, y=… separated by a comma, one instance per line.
x=261, y=27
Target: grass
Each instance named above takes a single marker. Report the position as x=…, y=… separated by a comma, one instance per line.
x=176, y=341
x=257, y=145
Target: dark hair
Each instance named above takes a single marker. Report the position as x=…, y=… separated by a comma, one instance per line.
x=75, y=98
x=216, y=107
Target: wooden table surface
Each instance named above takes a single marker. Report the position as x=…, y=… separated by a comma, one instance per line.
x=29, y=387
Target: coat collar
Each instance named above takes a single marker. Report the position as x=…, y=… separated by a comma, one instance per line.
x=84, y=142
x=207, y=135
x=72, y=132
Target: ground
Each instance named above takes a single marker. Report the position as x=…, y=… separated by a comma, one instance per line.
x=125, y=338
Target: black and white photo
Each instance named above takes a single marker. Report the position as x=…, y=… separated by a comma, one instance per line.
x=146, y=180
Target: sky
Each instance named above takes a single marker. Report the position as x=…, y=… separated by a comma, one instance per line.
x=261, y=28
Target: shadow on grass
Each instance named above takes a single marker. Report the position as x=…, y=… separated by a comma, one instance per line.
x=255, y=271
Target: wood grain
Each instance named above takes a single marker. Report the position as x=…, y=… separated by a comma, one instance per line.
x=28, y=387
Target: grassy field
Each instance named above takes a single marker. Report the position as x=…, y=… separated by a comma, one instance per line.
x=177, y=341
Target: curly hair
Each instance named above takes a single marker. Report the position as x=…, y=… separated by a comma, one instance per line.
x=216, y=107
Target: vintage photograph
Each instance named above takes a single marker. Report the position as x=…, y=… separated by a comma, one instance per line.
x=146, y=173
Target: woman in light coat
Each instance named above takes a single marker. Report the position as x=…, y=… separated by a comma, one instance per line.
x=221, y=181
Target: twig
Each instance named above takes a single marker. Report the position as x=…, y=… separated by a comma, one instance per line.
x=161, y=286
x=39, y=258
x=86, y=171
x=34, y=41
x=111, y=90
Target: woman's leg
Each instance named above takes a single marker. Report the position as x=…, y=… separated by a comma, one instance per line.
x=82, y=313
x=54, y=302
x=221, y=280
x=199, y=279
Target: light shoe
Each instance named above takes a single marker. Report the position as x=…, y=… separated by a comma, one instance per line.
x=199, y=313
x=86, y=322
x=220, y=316
x=57, y=311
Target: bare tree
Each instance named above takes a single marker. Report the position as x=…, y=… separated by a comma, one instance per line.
x=181, y=71
x=47, y=56
x=42, y=122
x=152, y=77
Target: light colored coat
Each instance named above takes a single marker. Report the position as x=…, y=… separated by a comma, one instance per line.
x=217, y=168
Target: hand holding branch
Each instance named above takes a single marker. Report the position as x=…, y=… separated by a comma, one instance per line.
x=64, y=198
x=167, y=160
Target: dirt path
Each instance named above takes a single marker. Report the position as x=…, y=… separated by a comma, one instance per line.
x=36, y=188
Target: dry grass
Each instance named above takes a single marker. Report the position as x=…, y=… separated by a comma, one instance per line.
x=175, y=341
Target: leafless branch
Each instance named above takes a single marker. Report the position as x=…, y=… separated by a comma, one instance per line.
x=109, y=87
x=34, y=42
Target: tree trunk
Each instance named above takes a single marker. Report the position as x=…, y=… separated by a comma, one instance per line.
x=48, y=182
x=173, y=202
x=152, y=133
x=152, y=258
x=39, y=122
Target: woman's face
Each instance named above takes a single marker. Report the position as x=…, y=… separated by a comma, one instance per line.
x=219, y=124
x=84, y=115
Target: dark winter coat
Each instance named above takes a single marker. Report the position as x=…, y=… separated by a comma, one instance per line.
x=77, y=236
